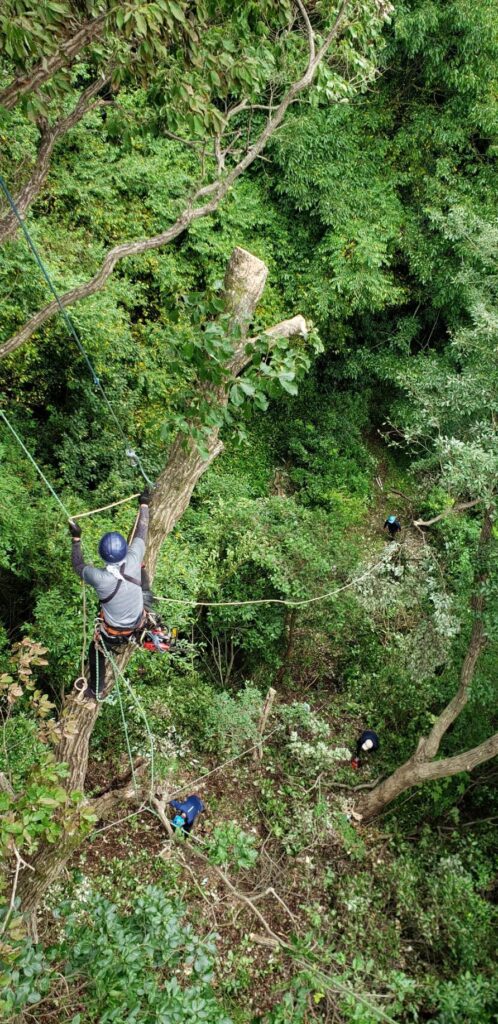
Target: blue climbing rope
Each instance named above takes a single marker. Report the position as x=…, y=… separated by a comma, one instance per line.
x=130, y=452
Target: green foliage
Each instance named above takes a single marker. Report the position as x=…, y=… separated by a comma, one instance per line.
x=28, y=979
x=133, y=964
x=231, y=847
x=231, y=723
x=374, y=211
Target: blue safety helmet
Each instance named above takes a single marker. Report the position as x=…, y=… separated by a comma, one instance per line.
x=113, y=547
x=391, y=519
x=178, y=821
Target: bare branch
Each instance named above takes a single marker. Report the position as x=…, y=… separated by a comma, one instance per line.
x=241, y=896
x=429, y=747
x=48, y=137
x=20, y=863
x=218, y=189
x=309, y=30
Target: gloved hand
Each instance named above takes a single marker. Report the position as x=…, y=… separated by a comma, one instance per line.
x=144, y=498
x=74, y=530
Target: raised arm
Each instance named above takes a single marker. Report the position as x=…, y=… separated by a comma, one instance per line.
x=76, y=551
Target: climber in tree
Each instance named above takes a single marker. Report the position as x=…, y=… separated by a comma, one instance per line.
x=392, y=524
x=368, y=741
x=186, y=812
x=121, y=588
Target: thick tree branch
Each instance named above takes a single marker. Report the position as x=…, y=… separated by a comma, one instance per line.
x=48, y=137
x=429, y=746
x=285, y=329
x=459, y=762
x=415, y=772
x=218, y=189
x=421, y=766
x=49, y=66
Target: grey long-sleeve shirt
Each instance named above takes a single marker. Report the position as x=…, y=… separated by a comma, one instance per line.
x=125, y=609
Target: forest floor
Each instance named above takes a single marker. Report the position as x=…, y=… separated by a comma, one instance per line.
x=292, y=881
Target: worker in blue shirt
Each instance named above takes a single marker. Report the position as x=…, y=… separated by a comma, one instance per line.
x=186, y=812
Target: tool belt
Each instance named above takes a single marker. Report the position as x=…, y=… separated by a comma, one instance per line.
x=115, y=633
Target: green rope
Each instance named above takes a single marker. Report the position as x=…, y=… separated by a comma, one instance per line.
x=138, y=704
x=35, y=464
x=71, y=328
x=125, y=728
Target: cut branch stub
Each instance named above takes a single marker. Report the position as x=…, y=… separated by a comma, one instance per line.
x=245, y=281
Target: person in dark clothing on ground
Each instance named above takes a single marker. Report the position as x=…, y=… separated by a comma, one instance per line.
x=121, y=587
x=368, y=741
x=186, y=812
x=393, y=525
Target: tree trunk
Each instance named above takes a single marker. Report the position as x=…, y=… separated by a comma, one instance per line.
x=244, y=284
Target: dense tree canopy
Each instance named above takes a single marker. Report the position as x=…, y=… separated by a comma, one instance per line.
x=273, y=226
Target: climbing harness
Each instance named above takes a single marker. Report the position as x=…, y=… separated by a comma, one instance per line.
x=130, y=452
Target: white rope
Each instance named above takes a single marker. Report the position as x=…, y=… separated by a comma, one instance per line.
x=272, y=600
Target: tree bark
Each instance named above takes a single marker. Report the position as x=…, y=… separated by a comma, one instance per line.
x=49, y=134
x=244, y=285
x=421, y=766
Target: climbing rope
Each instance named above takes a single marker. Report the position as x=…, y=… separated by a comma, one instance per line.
x=104, y=508
x=79, y=515
x=272, y=600
x=118, y=674
x=130, y=452
x=35, y=464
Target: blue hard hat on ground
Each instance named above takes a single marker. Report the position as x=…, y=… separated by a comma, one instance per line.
x=178, y=821
x=113, y=547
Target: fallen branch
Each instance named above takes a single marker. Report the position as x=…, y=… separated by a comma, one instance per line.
x=20, y=863
x=270, y=698
x=448, y=512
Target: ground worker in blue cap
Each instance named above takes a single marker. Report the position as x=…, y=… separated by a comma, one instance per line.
x=393, y=525
x=186, y=812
